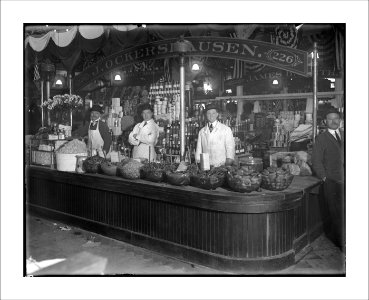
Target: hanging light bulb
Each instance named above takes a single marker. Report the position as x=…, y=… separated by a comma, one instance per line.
x=275, y=81
x=195, y=67
x=117, y=77
x=58, y=82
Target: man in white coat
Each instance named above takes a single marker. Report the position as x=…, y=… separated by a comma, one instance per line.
x=216, y=139
x=144, y=135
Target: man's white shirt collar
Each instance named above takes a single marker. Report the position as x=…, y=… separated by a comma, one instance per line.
x=147, y=122
x=94, y=122
x=333, y=132
x=214, y=123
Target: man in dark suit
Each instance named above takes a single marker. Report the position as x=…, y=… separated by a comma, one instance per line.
x=328, y=164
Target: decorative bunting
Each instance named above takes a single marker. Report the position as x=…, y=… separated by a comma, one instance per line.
x=285, y=35
x=36, y=72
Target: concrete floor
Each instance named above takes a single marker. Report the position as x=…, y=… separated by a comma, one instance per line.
x=48, y=240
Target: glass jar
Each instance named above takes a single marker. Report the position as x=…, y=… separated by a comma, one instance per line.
x=255, y=164
x=79, y=163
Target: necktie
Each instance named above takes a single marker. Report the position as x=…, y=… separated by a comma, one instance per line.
x=337, y=138
x=211, y=127
x=145, y=124
x=93, y=124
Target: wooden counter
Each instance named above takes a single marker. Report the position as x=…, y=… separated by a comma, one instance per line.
x=221, y=229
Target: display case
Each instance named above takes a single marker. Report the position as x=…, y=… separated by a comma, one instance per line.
x=42, y=151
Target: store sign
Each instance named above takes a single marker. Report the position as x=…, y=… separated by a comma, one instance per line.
x=280, y=57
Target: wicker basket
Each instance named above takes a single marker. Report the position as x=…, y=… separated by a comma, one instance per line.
x=109, y=169
x=280, y=183
x=179, y=178
x=241, y=185
x=207, y=183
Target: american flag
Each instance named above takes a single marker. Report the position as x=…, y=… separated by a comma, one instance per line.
x=36, y=73
x=244, y=31
x=238, y=64
x=167, y=76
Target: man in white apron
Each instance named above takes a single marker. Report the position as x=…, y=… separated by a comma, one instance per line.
x=144, y=135
x=99, y=138
x=216, y=139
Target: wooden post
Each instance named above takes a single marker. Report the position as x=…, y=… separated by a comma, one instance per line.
x=70, y=93
x=183, y=108
x=315, y=91
x=47, y=98
x=42, y=101
x=239, y=103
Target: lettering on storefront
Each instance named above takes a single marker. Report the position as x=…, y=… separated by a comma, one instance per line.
x=284, y=58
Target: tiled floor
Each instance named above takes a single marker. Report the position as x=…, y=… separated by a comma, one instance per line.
x=47, y=240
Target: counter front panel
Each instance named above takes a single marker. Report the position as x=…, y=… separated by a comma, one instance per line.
x=221, y=229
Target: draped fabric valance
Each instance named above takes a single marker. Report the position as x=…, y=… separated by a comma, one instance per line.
x=74, y=46
x=64, y=39
x=79, y=41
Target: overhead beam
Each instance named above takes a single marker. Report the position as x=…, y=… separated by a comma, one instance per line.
x=274, y=96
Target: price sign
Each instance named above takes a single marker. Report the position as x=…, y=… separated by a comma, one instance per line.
x=114, y=157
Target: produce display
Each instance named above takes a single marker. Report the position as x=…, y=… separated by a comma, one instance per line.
x=109, y=168
x=130, y=169
x=297, y=163
x=153, y=172
x=73, y=147
x=243, y=179
x=93, y=164
x=294, y=169
x=177, y=178
x=276, y=179
x=42, y=158
x=208, y=180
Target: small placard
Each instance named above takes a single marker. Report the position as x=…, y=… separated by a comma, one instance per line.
x=204, y=161
x=53, y=137
x=114, y=157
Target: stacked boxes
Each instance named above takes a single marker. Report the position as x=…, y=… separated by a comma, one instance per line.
x=115, y=115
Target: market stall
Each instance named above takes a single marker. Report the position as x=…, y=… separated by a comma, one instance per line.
x=257, y=214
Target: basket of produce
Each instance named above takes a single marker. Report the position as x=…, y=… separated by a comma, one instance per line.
x=66, y=155
x=180, y=178
x=178, y=174
x=130, y=169
x=243, y=179
x=93, y=164
x=208, y=180
x=42, y=157
x=153, y=172
x=276, y=179
x=109, y=168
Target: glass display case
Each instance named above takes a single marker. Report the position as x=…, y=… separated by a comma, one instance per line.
x=42, y=151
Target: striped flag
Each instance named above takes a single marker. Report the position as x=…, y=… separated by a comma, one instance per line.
x=36, y=72
x=167, y=70
x=238, y=64
x=244, y=31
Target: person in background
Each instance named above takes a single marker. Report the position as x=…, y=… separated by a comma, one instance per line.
x=97, y=133
x=144, y=135
x=328, y=164
x=216, y=139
